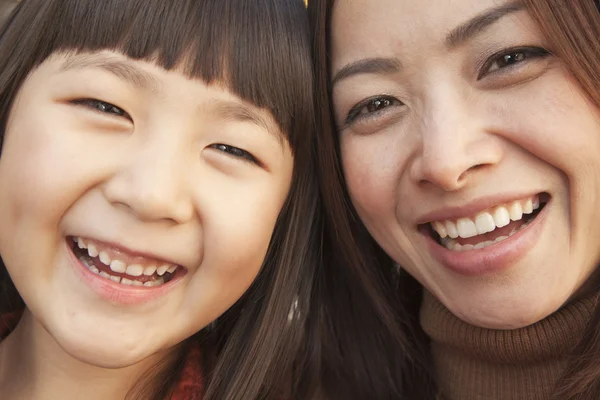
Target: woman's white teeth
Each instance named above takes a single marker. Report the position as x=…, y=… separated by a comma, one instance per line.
x=515, y=211
x=501, y=217
x=486, y=221
x=466, y=228
x=453, y=245
x=451, y=229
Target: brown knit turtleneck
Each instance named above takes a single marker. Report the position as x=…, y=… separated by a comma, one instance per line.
x=482, y=364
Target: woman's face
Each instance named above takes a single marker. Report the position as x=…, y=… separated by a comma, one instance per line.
x=137, y=205
x=469, y=152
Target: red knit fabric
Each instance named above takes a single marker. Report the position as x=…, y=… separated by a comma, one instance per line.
x=190, y=383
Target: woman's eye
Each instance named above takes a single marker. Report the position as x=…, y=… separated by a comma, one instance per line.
x=370, y=107
x=103, y=107
x=510, y=58
x=235, y=152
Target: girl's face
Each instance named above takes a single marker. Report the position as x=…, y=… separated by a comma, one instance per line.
x=137, y=205
x=470, y=153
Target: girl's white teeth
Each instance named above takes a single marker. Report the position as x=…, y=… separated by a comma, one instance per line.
x=162, y=269
x=148, y=271
x=92, y=250
x=104, y=258
x=118, y=266
x=135, y=270
x=155, y=282
x=486, y=221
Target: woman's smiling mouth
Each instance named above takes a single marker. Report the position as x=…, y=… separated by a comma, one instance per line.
x=489, y=240
x=489, y=226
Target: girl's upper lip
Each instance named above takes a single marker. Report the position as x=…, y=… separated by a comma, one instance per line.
x=473, y=207
x=128, y=251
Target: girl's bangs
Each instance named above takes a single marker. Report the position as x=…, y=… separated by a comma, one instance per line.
x=247, y=46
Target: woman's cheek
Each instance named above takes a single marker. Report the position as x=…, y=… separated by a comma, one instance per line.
x=371, y=172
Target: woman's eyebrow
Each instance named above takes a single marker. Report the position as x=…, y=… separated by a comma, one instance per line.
x=377, y=65
x=121, y=68
x=458, y=36
x=476, y=25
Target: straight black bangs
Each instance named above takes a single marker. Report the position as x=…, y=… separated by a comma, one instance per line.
x=257, y=49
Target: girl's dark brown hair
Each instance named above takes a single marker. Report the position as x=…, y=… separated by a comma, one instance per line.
x=259, y=50
x=396, y=364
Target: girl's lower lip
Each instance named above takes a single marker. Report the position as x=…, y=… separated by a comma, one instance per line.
x=497, y=257
x=115, y=292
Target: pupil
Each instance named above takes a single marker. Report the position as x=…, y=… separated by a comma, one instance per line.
x=378, y=104
x=512, y=58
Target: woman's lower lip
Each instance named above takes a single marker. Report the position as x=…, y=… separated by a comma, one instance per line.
x=115, y=292
x=497, y=257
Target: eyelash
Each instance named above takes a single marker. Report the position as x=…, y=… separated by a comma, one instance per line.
x=103, y=107
x=377, y=101
x=507, y=56
x=236, y=152
x=108, y=108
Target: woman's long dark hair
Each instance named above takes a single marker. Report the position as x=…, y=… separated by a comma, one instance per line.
x=398, y=362
x=259, y=50
x=372, y=346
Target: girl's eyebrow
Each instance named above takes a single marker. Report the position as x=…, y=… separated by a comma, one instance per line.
x=121, y=68
x=237, y=111
x=128, y=72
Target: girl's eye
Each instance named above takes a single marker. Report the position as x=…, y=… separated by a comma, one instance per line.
x=371, y=107
x=235, y=152
x=103, y=107
x=510, y=58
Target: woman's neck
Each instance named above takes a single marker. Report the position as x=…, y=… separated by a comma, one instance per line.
x=34, y=367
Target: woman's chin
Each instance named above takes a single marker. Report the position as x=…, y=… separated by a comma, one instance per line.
x=514, y=313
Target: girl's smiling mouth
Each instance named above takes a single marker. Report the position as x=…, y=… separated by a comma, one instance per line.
x=119, y=276
x=489, y=240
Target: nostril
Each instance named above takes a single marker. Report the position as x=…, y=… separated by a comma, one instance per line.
x=475, y=168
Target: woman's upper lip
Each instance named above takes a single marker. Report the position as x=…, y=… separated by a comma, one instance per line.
x=473, y=207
